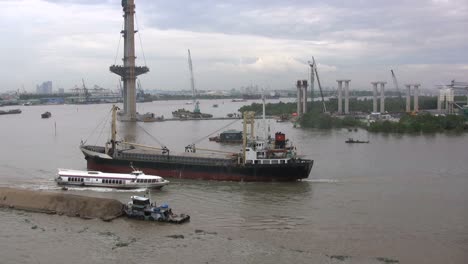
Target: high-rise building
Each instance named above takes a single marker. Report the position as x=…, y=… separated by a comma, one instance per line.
x=44, y=88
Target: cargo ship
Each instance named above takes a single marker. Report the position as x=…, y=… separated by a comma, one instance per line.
x=259, y=160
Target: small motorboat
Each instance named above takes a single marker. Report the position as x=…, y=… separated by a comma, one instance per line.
x=215, y=105
x=135, y=179
x=46, y=115
x=141, y=208
x=12, y=111
x=351, y=140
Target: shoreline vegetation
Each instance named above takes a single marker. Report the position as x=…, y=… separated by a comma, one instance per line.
x=408, y=122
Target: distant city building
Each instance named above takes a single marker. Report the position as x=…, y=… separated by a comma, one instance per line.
x=61, y=90
x=44, y=88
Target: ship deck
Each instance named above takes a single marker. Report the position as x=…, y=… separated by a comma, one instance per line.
x=207, y=155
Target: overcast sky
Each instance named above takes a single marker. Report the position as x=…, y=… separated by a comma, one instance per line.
x=235, y=43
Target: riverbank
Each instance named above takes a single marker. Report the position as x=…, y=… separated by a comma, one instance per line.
x=404, y=123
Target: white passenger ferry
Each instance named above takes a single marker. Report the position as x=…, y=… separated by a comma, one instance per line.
x=135, y=179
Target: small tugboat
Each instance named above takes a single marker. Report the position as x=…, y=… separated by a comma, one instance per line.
x=135, y=179
x=141, y=208
x=351, y=140
x=46, y=115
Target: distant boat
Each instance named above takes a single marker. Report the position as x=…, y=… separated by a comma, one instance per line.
x=186, y=114
x=215, y=105
x=351, y=140
x=282, y=118
x=149, y=117
x=46, y=115
x=228, y=136
x=9, y=112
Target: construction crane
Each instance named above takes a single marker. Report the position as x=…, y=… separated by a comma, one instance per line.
x=395, y=82
x=314, y=69
x=192, y=82
x=85, y=90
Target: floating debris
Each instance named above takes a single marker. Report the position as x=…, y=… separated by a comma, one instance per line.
x=176, y=236
x=339, y=257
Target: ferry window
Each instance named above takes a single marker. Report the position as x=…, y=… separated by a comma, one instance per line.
x=82, y=179
x=121, y=182
x=274, y=162
x=257, y=162
x=282, y=161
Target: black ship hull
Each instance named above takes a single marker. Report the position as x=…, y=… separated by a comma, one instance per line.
x=299, y=169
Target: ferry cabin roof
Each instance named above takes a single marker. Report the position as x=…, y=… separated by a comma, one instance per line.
x=98, y=174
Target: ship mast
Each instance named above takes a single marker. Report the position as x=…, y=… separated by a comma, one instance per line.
x=249, y=118
x=264, y=119
x=113, y=126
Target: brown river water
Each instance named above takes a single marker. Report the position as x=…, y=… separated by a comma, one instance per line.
x=399, y=199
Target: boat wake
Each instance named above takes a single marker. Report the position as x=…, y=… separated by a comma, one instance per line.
x=94, y=189
x=102, y=189
x=321, y=180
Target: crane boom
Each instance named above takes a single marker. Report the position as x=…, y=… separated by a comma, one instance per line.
x=320, y=86
x=192, y=80
x=395, y=82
